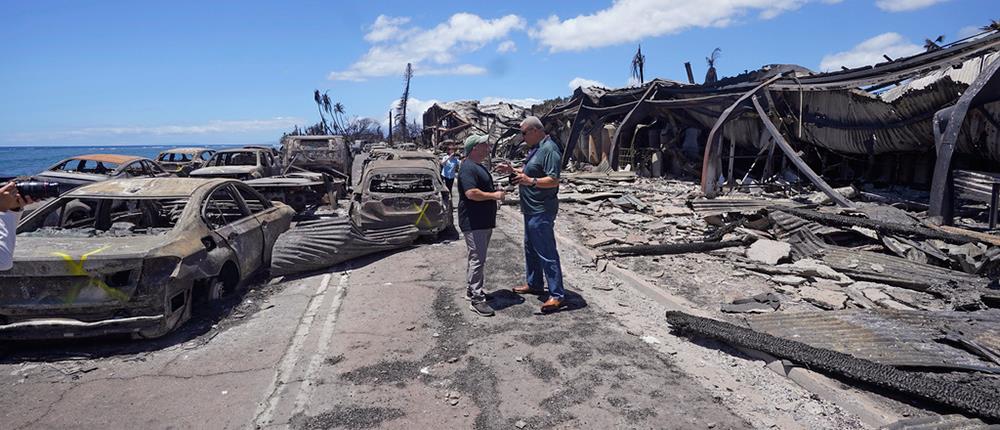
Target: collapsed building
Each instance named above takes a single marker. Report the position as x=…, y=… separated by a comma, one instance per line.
x=446, y=125
x=928, y=121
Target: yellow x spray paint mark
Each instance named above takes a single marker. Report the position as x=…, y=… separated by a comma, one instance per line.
x=76, y=269
x=423, y=214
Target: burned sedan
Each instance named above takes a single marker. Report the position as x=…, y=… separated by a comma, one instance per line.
x=240, y=164
x=181, y=161
x=134, y=260
x=400, y=192
x=87, y=169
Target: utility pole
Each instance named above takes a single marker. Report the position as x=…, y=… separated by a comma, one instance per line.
x=390, y=127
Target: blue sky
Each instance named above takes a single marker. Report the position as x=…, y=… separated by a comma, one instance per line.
x=186, y=72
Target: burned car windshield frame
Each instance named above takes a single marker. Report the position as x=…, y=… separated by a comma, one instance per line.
x=217, y=159
x=396, y=182
x=88, y=216
x=108, y=168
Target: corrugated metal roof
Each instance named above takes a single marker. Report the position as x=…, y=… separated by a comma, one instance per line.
x=318, y=244
x=898, y=338
x=708, y=207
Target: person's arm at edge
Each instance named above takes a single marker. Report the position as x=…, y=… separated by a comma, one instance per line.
x=9, y=220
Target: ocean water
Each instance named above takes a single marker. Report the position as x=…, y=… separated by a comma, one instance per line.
x=23, y=161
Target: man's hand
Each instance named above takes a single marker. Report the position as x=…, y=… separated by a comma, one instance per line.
x=523, y=179
x=500, y=195
x=504, y=168
x=9, y=198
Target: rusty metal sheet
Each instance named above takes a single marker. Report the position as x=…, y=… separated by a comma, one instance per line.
x=893, y=337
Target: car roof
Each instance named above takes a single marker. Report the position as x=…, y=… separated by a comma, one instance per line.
x=402, y=163
x=146, y=187
x=185, y=150
x=107, y=158
x=241, y=150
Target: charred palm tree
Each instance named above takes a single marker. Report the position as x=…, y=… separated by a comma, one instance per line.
x=318, y=98
x=994, y=25
x=711, y=76
x=933, y=45
x=407, y=75
x=638, y=61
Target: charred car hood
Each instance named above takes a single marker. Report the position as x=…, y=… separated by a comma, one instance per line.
x=223, y=170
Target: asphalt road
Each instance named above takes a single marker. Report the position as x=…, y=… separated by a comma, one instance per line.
x=387, y=342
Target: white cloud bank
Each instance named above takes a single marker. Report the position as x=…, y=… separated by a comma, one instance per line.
x=432, y=51
x=633, y=20
x=211, y=127
x=905, y=5
x=585, y=83
x=870, y=52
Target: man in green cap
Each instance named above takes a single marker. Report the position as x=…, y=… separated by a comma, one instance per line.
x=477, y=216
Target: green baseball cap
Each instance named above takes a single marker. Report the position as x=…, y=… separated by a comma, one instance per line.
x=473, y=140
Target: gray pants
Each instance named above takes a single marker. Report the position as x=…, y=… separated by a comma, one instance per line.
x=477, y=241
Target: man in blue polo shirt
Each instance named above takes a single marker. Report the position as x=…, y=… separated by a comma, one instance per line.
x=538, y=189
x=477, y=217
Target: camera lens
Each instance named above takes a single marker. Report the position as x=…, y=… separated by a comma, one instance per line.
x=38, y=190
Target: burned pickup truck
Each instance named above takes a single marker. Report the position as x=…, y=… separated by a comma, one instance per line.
x=401, y=192
x=144, y=249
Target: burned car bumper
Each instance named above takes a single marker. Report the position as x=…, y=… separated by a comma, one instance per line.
x=59, y=328
x=429, y=216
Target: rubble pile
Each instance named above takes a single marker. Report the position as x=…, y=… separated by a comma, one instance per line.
x=876, y=281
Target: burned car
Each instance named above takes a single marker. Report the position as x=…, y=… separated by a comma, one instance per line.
x=327, y=154
x=400, y=192
x=142, y=250
x=87, y=169
x=181, y=161
x=240, y=164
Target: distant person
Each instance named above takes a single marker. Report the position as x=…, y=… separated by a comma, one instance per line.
x=449, y=168
x=538, y=190
x=10, y=212
x=477, y=216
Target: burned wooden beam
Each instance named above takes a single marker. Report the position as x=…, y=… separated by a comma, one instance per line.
x=674, y=248
x=879, y=226
x=964, y=397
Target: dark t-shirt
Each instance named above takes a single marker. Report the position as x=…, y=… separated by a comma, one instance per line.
x=473, y=215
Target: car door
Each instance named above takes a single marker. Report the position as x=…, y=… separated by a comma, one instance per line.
x=271, y=222
x=134, y=169
x=234, y=227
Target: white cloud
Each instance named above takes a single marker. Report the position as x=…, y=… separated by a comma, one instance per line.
x=905, y=5
x=632, y=20
x=211, y=127
x=385, y=28
x=415, y=109
x=870, y=52
x=525, y=102
x=585, y=83
x=968, y=31
x=507, y=46
x=432, y=51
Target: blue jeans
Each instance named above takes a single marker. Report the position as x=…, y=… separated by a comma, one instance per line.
x=541, y=259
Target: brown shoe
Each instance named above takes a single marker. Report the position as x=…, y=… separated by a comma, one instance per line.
x=551, y=305
x=525, y=289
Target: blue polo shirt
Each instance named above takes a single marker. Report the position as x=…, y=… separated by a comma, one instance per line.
x=544, y=161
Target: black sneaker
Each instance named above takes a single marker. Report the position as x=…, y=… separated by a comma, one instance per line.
x=481, y=307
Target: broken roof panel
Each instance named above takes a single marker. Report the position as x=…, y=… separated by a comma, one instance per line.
x=893, y=337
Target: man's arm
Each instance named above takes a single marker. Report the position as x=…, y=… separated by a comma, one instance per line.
x=8, y=234
x=477, y=195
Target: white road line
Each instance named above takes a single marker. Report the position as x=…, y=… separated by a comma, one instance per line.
x=265, y=409
x=305, y=388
